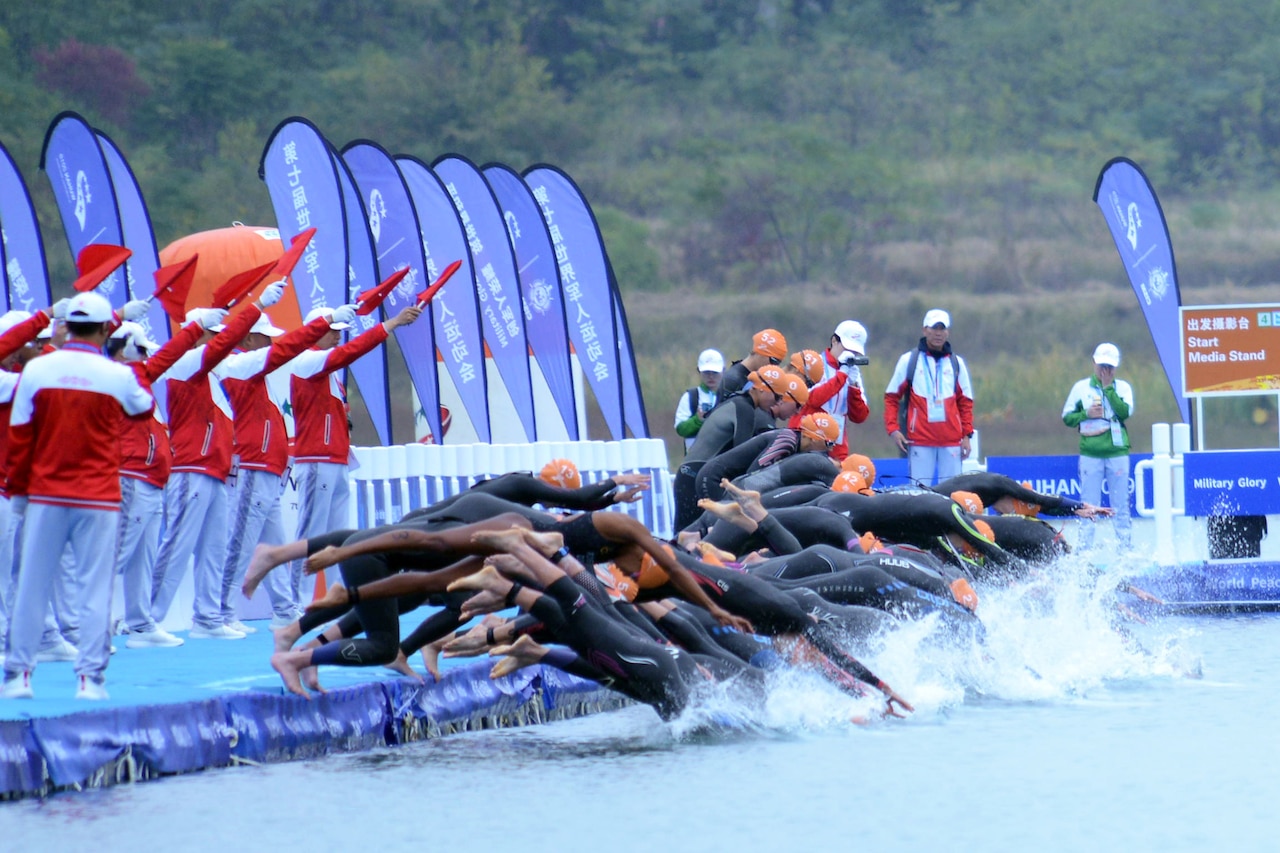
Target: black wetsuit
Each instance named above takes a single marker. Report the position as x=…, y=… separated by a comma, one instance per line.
x=524, y=488
x=1031, y=539
x=731, y=423
x=808, y=525
x=991, y=487
x=730, y=464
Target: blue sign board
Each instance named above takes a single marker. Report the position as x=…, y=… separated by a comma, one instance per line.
x=1059, y=475
x=1227, y=482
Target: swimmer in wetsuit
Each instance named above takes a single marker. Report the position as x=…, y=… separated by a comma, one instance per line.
x=1007, y=496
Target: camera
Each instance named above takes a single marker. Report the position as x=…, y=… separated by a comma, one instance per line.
x=860, y=360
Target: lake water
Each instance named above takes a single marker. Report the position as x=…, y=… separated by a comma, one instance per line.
x=1061, y=735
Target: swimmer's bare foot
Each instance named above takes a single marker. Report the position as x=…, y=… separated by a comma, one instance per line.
x=710, y=553
x=499, y=540
x=311, y=679
x=321, y=560
x=729, y=512
x=545, y=543
x=289, y=665
x=401, y=665
x=490, y=587
x=334, y=596
x=523, y=652
x=688, y=539
x=748, y=499
x=262, y=561
x=285, y=637
x=511, y=567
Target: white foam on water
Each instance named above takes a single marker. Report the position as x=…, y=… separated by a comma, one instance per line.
x=1060, y=636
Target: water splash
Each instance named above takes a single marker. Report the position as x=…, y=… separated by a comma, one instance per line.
x=1063, y=635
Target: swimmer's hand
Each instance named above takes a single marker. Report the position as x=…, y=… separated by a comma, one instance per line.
x=320, y=560
x=1143, y=595
x=630, y=496
x=724, y=617
x=1091, y=511
x=639, y=482
x=474, y=642
x=893, y=698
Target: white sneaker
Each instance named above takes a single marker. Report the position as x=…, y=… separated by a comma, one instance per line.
x=62, y=650
x=159, y=638
x=241, y=627
x=91, y=690
x=221, y=632
x=19, y=687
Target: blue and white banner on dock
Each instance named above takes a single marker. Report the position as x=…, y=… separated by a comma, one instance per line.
x=1232, y=482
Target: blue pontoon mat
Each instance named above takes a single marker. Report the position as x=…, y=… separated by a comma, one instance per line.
x=213, y=703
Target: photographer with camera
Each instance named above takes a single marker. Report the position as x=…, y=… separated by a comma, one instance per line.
x=696, y=403
x=928, y=406
x=840, y=393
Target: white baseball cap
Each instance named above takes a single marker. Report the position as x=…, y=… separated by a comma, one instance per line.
x=710, y=359
x=263, y=326
x=88, y=307
x=324, y=311
x=934, y=316
x=1108, y=354
x=852, y=335
x=135, y=336
x=9, y=319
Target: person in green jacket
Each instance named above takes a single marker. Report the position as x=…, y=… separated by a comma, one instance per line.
x=1098, y=407
x=696, y=402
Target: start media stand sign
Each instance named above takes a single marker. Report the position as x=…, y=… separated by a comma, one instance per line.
x=1232, y=482
x=1230, y=349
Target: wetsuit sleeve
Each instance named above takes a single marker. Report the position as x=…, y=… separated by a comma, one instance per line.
x=780, y=539
x=784, y=444
x=744, y=426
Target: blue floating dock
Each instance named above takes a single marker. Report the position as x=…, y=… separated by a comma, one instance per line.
x=216, y=703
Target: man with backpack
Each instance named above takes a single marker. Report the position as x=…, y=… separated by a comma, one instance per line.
x=928, y=406
x=696, y=403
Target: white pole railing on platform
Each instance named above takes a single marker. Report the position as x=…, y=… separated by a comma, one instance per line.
x=392, y=480
x=1166, y=489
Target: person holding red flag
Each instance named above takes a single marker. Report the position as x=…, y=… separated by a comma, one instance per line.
x=322, y=439
x=196, y=495
x=261, y=446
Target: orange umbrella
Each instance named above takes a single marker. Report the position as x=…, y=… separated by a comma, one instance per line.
x=225, y=252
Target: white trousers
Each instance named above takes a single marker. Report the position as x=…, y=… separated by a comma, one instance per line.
x=141, y=511
x=930, y=465
x=1115, y=473
x=323, y=505
x=254, y=518
x=195, y=507
x=47, y=531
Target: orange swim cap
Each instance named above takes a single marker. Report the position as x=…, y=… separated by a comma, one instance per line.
x=862, y=464
x=770, y=343
x=562, y=473
x=1021, y=507
x=969, y=501
x=809, y=364
x=821, y=427
x=850, y=481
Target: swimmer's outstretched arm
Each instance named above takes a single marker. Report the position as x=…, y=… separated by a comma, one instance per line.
x=617, y=527
x=456, y=539
x=405, y=583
